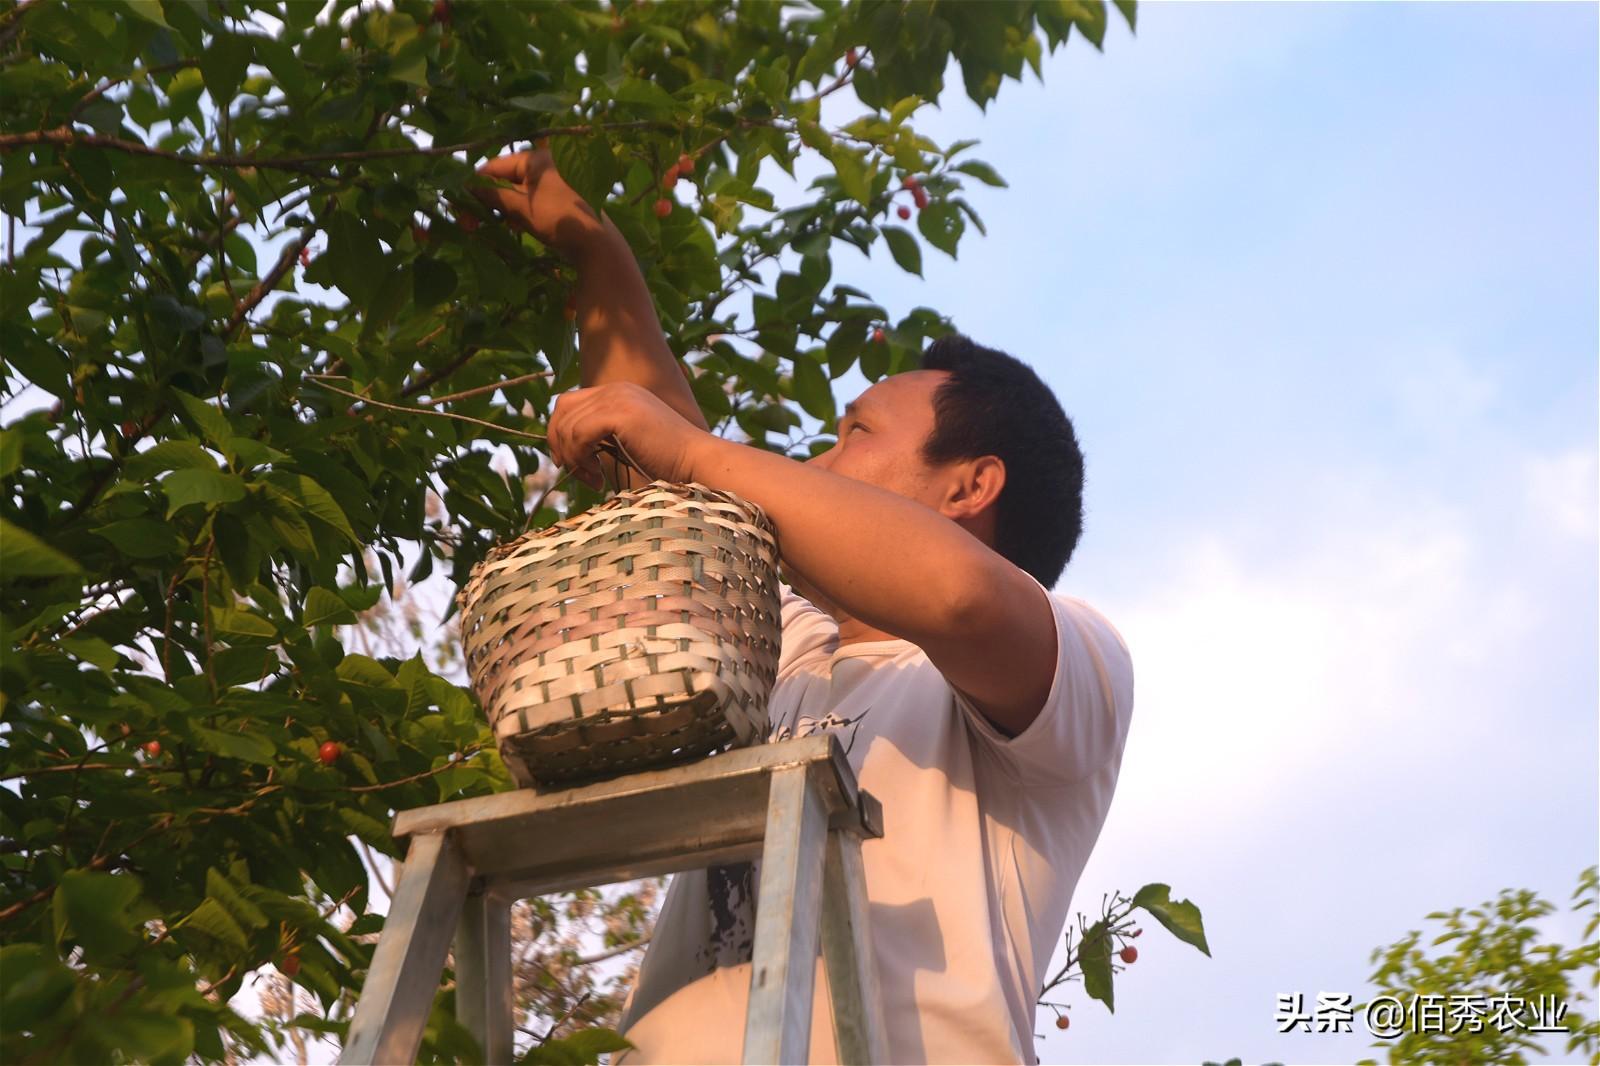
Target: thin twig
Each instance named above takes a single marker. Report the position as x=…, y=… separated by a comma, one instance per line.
x=469, y=751
x=580, y=1001
x=72, y=768
x=611, y=953
x=493, y=385
x=315, y=379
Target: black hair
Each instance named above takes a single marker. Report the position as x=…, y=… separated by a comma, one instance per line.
x=994, y=404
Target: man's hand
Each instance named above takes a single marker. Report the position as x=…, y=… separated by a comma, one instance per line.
x=653, y=434
x=530, y=192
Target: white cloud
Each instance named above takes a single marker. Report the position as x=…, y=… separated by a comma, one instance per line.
x=1563, y=492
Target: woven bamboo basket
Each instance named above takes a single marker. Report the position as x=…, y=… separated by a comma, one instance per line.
x=641, y=633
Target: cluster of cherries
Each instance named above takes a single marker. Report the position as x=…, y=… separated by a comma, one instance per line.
x=1128, y=955
x=919, y=196
x=684, y=165
x=328, y=753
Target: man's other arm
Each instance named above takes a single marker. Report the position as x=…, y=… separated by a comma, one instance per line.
x=620, y=338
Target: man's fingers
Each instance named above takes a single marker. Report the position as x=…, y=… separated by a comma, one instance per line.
x=511, y=202
x=513, y=167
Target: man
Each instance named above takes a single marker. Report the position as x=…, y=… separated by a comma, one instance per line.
x=987, y=715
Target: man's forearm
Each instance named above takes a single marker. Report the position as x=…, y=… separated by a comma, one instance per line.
x=620, y=337
x=865, y=549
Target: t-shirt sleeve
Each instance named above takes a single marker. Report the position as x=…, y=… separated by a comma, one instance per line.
x=805, y=627
x=1084, y=722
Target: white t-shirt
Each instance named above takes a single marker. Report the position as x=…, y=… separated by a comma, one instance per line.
x=969, y=887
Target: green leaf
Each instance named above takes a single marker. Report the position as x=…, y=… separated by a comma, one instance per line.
x=814, y=136
x=35, y=985
x=355, y=258
x=811, y=388
x=212, y=919
x=246, y=913
x=1181, y=917
x=183, y=94
x=411, y=64
x=433, y=282
x=942, y=225
x=645, y=93
x=324, y=608
x=168, y=455
x=212, y=422
x=24, y=555
x=983, y=172
x=587, y=165
x=93, y=908
x=91, y=650
x=140, y=538
x=149, y=10
x=249, y=747
x=201, y=486
x=1090, y=18
x=10, y=451
x=238, y=624
x=249, y=453
x=366, y=671
x=855, y=176
x=314, y=498
x=582, y=1048
x=1129, y=10
x=1094, y=957
x=903, y=246
x=223, y=63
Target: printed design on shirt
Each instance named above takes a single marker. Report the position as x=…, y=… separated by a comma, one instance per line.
x=806, y=725
x=731, y=895
x=731, y=889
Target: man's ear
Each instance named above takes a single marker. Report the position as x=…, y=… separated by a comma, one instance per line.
x=975, y=487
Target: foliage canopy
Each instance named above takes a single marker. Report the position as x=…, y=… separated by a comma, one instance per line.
x=192, y=512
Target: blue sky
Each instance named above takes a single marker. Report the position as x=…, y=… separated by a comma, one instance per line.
x=1318, y=285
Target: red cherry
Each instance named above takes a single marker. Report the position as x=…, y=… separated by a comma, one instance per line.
x=670, y=178
x=851, y=58
x=663, y=207
x=877, y=336
x=305, y=257
x=904, y=211
x=441, y=12
x=290, y=965
x=153, y=748
x=468, y=223
x=419, y=233
x=329, y=752
x=570, y=311
x=911, y=182
x=1129, y=954
x=1061, y=1021
x=686, y=164
x=920, y=195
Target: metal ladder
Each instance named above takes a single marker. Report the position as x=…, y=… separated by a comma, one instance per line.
x=794, y=805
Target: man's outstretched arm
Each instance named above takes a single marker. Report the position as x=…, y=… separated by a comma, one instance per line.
x=891, y=562
x=620, y=338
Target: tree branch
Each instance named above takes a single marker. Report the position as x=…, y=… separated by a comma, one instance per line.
x=304, y=164
x=611, y=953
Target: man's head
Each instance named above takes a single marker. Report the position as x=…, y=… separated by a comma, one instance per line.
x=977, y=436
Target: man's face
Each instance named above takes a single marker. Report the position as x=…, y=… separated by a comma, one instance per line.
x=882, y=433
